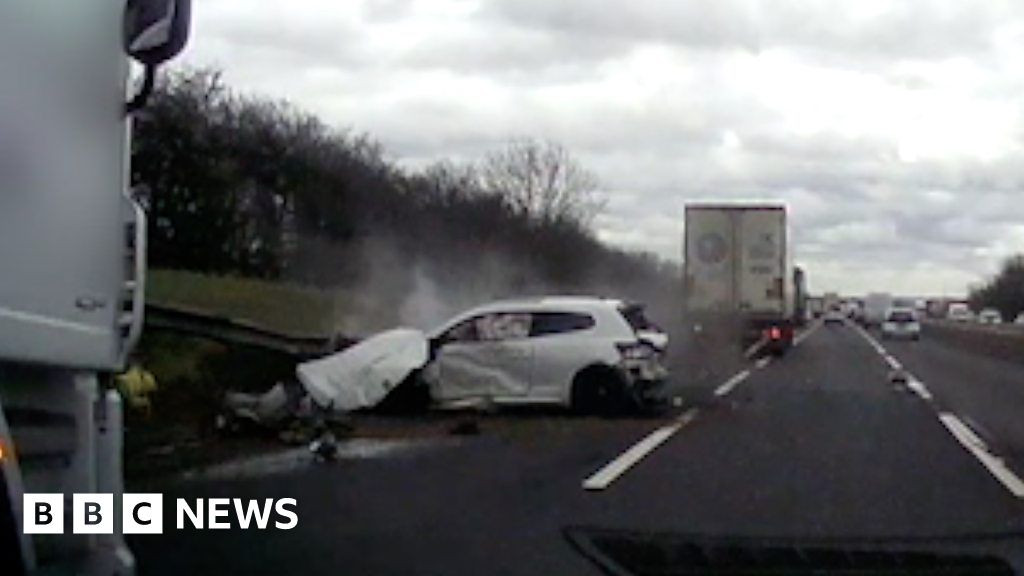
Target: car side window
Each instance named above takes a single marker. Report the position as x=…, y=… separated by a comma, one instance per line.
x=547, y=323
x=464, y=331
x=503, y=326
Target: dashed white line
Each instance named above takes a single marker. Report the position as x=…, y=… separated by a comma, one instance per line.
x=874, y=343
x=995, y=465
x=731, y=383
x=891, y=361
x=622, y=463
x=918, y=387
x=754, y=348
x=960, y=431
x=617, y=467
x=687, y=417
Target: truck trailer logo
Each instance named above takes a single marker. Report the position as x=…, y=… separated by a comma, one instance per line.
x=143, y=513
x=711, y=248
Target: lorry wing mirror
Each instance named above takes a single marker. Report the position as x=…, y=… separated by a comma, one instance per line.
x=156, y=30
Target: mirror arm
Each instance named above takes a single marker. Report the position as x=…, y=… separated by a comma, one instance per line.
x=138, y=101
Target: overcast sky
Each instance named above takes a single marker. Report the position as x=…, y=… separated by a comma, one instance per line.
x=893, y=130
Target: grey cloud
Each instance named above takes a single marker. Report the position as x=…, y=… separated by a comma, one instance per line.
x=856, y=206
x=517, y=52
x=710, y=24
x=386, y=10
x=923, y=29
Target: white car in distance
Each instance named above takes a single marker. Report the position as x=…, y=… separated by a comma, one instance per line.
x=990, y=316
x=834, y=315
x=901, y=323
x=959, y=312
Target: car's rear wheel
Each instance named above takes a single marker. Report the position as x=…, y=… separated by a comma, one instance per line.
x=600, y=390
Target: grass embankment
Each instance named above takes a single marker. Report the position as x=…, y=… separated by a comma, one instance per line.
x=282, y=307
x=193, y=372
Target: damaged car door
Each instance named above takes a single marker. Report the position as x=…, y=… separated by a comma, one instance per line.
x=489, y=356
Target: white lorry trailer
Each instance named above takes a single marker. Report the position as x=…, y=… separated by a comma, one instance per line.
x=72, y=258
x=875, y=307
x=738, y=275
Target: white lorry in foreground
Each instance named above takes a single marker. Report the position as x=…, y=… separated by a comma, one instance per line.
x=72, y=258
x=738, y=275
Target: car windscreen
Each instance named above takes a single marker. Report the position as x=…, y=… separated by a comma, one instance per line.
x=901, y=317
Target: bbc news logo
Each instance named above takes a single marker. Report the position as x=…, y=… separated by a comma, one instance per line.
x=144, y=514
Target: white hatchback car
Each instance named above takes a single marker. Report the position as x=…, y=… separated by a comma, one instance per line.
x=591, y=354
x=834, y=316
x=901, y=323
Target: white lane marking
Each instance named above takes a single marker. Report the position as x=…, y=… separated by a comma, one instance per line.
x=617, y=467
x=687, y=417
x=995, y=465
x=889, y=358
x=916, y=386
x=762, y=362
x=731, y=383
x=623, y=462
x=962, y=432
x=754, y=348
x=891, y=361
x=919, y=388
x=803, y=335
x=871, y=340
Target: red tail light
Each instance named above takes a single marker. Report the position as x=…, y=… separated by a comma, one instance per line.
x=774, y=333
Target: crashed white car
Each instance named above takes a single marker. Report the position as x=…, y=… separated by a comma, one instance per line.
x=591, y=354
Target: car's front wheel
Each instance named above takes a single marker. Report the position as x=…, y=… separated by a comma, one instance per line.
x=600, y=390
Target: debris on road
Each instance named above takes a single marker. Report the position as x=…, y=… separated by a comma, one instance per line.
x=899, y=379
x=285, y=460
x=325, y=447
x=466, y=428
x=274, y=407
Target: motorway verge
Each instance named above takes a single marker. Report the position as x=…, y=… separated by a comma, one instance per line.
x=1003, y=342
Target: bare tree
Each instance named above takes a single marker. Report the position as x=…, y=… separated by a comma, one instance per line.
x=449, y=183
x=542, y=181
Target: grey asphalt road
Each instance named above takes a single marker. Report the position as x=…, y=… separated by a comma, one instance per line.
x=817, y=445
